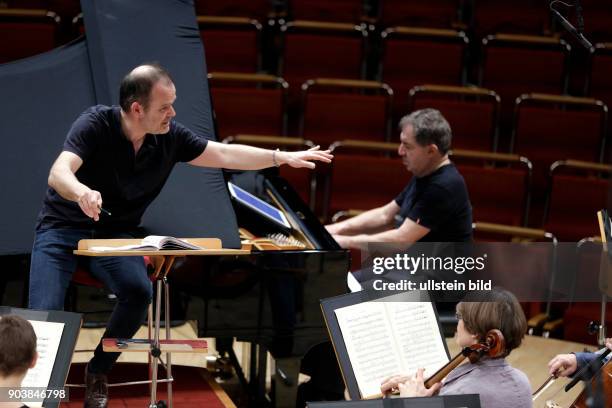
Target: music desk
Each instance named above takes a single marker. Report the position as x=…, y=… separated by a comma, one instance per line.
x=162, y=261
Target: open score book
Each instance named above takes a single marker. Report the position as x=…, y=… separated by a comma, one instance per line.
x=389, y=338
x=151, y=243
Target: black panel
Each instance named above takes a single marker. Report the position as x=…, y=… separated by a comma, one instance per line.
x=41, y=96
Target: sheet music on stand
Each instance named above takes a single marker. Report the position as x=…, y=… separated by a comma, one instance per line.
x=446, y=401
x=56, y=333
x=376, y=335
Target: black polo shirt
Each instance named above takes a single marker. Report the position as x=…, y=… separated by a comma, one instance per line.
x=440, y=202
x=128, y=183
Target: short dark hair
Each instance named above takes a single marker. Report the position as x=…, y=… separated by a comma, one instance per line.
x=136, y=86
x=496, y=309
x=429, y=127
x=17, y=345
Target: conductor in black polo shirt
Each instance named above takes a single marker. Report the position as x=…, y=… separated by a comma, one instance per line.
x=434, y=206
x=115, y=160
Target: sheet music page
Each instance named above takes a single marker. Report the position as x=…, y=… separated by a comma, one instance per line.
x=418, y=336
x=368, y=337
x=48, y=336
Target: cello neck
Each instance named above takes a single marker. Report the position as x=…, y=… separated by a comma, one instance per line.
x=446, y=369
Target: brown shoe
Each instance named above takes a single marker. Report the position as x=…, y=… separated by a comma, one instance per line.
x=96, y=394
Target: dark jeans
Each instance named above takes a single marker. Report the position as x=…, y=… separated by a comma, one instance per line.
x=51, y=270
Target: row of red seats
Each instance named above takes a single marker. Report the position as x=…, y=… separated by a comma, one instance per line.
x=544, y=128
x=510, y=64
x=499, y=185
x=480, y=16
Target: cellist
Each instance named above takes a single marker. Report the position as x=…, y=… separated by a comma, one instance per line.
x=498, y=384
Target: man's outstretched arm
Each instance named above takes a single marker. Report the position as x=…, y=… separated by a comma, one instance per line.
x=243, y=157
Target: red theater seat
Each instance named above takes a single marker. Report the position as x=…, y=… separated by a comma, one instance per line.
x=498, y=185
x=516, y=16
x=335, y=109
x=347, y=11
x=363, y=175
x=552, y=127
x=248, y=103
x=473, y=113
x=416, y=13
x=231, y=43
x=516, y=64
x=259, y=9
x=27, y=32
x=577, y=190
x=416, y=56
x=597, y=17
x=318, y=49
x=599, y=82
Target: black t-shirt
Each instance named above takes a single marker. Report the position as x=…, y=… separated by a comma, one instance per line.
x=128, y=183
x=440, y=202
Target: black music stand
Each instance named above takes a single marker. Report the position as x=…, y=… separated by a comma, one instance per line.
x=446, y=401
x=72, y=325
x=329, y=305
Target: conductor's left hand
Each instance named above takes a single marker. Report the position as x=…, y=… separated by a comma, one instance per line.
x=305, y=158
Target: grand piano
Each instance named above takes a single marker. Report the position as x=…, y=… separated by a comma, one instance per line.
x=271, y=297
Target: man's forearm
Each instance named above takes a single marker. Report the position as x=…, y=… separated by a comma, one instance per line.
x=66, y=184
x=243, y=157
x=361, y=241
x=368, y=222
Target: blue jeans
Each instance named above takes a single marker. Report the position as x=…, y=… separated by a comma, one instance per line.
x=51, y=269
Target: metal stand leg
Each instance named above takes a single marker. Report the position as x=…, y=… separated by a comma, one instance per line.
x=155, y=351
x=150, y=337
x=168, y=356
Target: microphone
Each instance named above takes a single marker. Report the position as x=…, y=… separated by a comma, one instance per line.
x=579, y=18
x=588, y=371
x=570, y=28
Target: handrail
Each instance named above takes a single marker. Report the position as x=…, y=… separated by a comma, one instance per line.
x=269, y=140
x=229, y=20
x=41, y=13
x=237, y=76
x=524, y=232
x=355, y=83
x=533, y=39
x=321, y=25
x=460, y=90
x=579, y=164
x=575, y=100
x=435, y=32
x=364, y=144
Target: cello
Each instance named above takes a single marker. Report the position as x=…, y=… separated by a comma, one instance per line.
x=492, y=346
